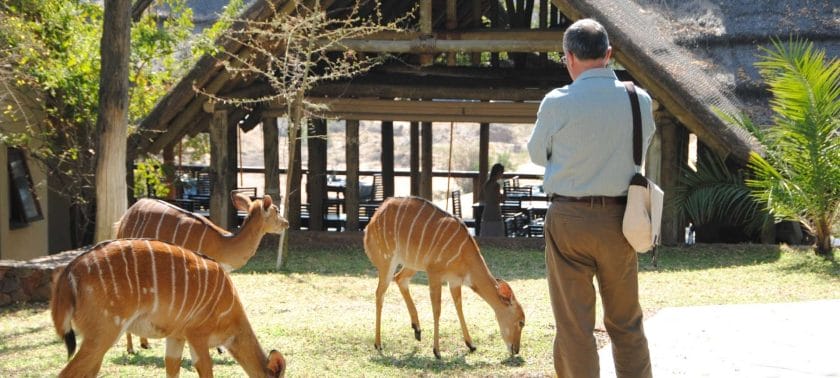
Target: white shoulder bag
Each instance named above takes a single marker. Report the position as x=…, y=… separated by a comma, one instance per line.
x=643, y=215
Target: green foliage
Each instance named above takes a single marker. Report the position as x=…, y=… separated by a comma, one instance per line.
x=57, y=60
x=150, y=179
x=799, y=176
x=715, y=194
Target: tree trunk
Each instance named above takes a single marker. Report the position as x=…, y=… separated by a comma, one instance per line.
x=295, y=112
x=112, y=122
x=823, y=234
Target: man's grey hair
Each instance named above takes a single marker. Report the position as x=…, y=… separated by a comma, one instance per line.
x=586, y=39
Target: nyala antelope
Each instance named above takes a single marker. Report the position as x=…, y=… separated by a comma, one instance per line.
x=419, y=236
x=156, y=219
x=153, y=289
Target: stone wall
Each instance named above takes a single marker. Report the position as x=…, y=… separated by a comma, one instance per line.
x=29, y=281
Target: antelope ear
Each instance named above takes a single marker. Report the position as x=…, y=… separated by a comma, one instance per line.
x=505, y=292
x=276, y=364
x=266, y=202
x=240, y=201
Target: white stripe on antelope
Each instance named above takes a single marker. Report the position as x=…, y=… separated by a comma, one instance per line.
x=419, y=236
x=168, y=275
x=156, y=219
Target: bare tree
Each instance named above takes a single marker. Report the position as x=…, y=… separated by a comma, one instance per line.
x=294, y=51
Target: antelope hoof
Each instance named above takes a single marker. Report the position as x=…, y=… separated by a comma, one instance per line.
x=377, y=346
x=472, y=347
x=437, y=353
x=144, y=345
x=220, y=350
x=130, y=351
x=416, y=331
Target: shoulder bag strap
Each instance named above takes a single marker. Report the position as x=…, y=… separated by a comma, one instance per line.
x=637, y=122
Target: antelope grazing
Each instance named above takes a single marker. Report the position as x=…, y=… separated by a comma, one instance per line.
x=419, y=236
x=160, y=220
x=153, y=289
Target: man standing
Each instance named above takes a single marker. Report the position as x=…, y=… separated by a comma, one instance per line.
x=583, y=138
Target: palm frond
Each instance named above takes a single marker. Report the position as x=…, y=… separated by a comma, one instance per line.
x=714, y=194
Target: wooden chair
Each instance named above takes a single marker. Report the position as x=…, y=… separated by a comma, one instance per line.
x=456, y=209
x=333, y=217
x=514, y=218
x=378, y=192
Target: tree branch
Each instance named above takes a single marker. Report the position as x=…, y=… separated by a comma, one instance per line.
x=138, y=8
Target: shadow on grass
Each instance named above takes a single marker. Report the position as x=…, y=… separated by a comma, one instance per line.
x=52, y=342
x=807, y=261
x=155, y=357
x=19, y=332
x=710, y=256
x=422, y=362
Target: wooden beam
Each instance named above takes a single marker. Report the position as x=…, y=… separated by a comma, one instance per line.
x=425, y=28
x=672, y=162
x=427, y=111
x=351, y=191
x=426, y=158
x=316, y=177
x=414, y=164
x=435, y=46
x=478, y=91
x=388, y=158
x=483, y=158
x=451, y=23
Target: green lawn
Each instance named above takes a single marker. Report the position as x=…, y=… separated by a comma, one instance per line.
x=320, y=312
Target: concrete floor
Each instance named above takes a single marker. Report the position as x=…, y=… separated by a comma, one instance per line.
x=755, y=340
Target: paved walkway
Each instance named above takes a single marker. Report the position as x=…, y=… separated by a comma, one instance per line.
x=787, y=340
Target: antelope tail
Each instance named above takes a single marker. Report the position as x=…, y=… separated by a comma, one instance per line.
x=62, y=306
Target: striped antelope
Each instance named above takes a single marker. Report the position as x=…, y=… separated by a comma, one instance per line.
x=153, y=289
x=419, y=236
x=160, y=220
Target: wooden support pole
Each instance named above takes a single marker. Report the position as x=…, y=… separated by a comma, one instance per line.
x=415, y=158
x=426, y=161
x=316, y=179
x=351, y=191
x=483, y=158
x=451, y=24
x=672, y=161
x=388, y=158
x=271, y=158
x=476, y=24
x=425, y=28
x=543, y=25
x=223, y=167
x=495, y=23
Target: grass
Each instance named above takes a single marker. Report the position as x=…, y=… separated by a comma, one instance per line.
x=320, y=312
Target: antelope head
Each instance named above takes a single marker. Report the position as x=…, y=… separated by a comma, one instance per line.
x=510, y=316
x=264, y=209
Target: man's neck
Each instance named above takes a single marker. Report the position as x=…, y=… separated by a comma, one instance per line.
x=587, y=65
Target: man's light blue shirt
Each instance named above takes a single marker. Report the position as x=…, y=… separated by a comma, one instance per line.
x=584, y=136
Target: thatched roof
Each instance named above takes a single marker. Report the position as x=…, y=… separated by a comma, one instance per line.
x=725, y=37
x=650, y=43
